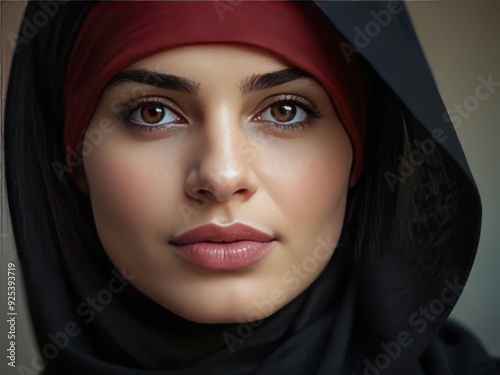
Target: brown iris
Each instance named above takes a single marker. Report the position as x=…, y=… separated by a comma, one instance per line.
x=152, y=114
x=283, y=111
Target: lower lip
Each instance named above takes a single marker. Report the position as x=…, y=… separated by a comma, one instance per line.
x=224, y=256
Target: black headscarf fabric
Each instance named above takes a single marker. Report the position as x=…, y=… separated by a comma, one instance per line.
x=379, y=307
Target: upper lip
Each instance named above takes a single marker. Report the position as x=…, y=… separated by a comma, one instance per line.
x=217, y=233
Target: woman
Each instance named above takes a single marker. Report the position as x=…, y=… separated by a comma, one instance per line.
x=235, y=189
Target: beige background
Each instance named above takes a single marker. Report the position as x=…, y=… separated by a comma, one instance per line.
x=461, y=39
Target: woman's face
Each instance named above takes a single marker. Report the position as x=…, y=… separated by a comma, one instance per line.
x=228, y=136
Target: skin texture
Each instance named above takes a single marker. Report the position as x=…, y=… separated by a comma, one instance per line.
x=223, y=160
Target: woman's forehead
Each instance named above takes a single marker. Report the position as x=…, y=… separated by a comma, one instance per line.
x=195, y=59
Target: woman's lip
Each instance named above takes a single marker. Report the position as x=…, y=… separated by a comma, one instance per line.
x=217, y=247
x=224, y=256
x=221, y=234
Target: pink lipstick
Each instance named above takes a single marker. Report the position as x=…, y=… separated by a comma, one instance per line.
x=226, y=248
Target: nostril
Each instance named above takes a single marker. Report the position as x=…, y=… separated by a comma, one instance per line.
x=206, y=194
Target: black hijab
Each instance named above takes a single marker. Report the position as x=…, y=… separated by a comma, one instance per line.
x=379, y=307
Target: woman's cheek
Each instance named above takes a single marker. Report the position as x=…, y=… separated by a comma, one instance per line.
x=308, y=180
x=127, y=189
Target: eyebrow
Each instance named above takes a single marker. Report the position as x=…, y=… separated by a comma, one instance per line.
x=156, y=79
x=259, y=82
x=256, y=82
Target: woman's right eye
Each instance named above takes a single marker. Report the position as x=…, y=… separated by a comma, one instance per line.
x=152, y=114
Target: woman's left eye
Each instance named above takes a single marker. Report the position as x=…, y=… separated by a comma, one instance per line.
x=289, y=113
x=284, y=113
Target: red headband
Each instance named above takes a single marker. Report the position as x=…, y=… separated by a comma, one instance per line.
x=118, y=34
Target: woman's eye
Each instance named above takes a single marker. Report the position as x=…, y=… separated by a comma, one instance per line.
x=285, y=113
x=153, y=114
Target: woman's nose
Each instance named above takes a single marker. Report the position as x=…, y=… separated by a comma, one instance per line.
x=222, y=164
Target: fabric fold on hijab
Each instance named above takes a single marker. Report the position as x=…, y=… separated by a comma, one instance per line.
x=135, y=333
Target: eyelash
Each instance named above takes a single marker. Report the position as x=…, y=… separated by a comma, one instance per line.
x=308, y=107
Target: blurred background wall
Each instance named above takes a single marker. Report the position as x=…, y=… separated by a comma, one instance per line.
x=461, y=39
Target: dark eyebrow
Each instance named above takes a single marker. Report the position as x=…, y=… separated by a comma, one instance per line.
x=265, y=81
x=150, y=78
